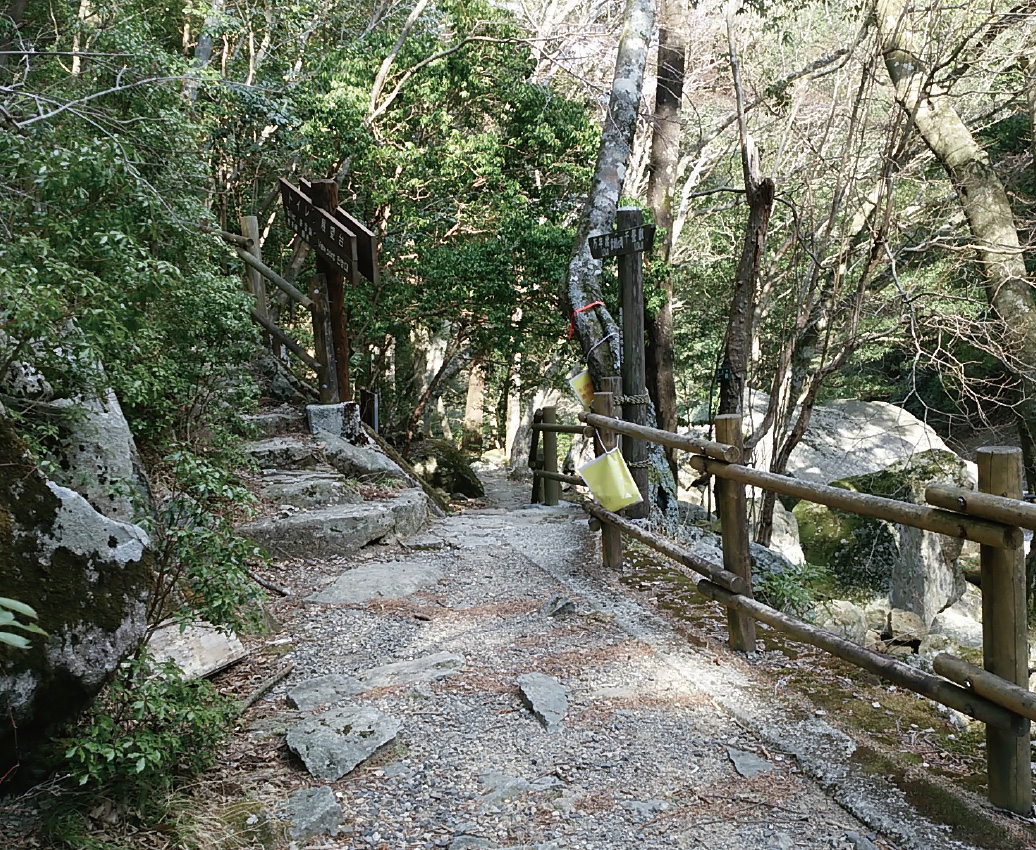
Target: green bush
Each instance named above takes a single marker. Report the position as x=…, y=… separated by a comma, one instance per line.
x=148, y=728
x=10, y=610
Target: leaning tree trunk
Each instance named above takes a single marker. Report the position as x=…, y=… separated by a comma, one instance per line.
x=660, y=359
x=760, y=192
x=598, y=334
x=988, y=211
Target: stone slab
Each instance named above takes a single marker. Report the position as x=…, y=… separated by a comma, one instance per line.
x=428, y=668
x=199, y=650
x=331, y=744
x=313, y=811
x=323, y=690
x=327, y=532
x=545, y=697
x=378, y=581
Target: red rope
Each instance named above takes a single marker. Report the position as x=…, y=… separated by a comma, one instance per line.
x=572, y=321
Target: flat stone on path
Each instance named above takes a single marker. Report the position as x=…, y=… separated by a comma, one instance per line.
x=313, y=811
x=378, y=581
x=747, y=764
x=545, y=697
x=323, y=690
x=333, y=743
x=425, y=669
x=199, y=649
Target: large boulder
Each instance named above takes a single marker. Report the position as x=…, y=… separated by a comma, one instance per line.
x=917, y=568
x=442, y=465
x=88, y=578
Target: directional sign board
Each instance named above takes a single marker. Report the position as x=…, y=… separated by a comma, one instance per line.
x=636, y=239
x=338, y=237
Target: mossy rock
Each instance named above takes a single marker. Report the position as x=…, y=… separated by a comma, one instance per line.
x=445, y=467
x=864, y=554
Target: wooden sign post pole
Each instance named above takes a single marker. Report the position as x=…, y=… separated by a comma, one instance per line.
x=1005, y=647
x=325, y=197
x=635, y=403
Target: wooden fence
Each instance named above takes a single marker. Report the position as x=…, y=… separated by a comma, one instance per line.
x=996, y=694
x=246, y=246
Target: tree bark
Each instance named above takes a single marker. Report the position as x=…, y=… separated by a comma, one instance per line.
x=662, y=165
x=598, y=334
x=986, y=207
x=760, y=192
x=474, y=408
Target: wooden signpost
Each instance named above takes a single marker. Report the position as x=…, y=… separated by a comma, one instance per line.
x=628, y=244
x=345, y=248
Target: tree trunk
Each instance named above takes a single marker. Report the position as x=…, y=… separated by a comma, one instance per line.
x=986, y=207
x=760, y=191
x=595, y=325
x=665, y=156
x=474, y=408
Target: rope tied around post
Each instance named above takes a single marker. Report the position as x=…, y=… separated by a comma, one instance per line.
x=624, y=400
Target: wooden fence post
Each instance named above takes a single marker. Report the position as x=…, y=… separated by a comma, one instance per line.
x=604, y=404
x=325, y=197
x=256, y=284
x=551, y=489
x=733, y=514
x=534, y=460
x=1005, y=646
x=635, y=407
x=323, y=339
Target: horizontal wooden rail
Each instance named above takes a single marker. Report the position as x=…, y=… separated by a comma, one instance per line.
x=236, y=239
x=897, y=672
x=919, y=516
x=564, y=429
x=558, y=476
x=275, y=279
x=994, y=688
x=286, y=341
x=720, y=451
x=985, y=505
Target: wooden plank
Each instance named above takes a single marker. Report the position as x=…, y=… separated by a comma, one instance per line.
x=733, y=516
x=325, y=197
x=1011, y=696
x=682, y=442
x=666, y=547
x=259, y=267
x=985, y=505
x=604, y=405
x=323, y=340
x=631, y=286
x=317, y=226
x=564, y=429
x=917, y=516
x=619, y=243
x=551, y=487
x=559, y=476
x=903, y=675
x=286, y=340
x=250, y=231
x=366, y=240
x=1005, y=650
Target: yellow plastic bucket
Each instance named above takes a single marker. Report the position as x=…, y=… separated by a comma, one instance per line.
x=610, y=481
x=583, y=387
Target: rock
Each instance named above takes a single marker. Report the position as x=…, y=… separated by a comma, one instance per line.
x=198, y=649
x=906, y=625
x=444, y=467
x=327, y=532
x=841, y=618
x=323, y=690
x=958, y=627
x=277, y=381
x=359, y=462
x=378, y=581
x=545, y=697
x=425, y=669
x=872, y=640
x=333, y=743
x=501, y=787
x=337, y=420
x=409, y=511
x=276, y=422
x=313, y=811
x=860, y=842
x=877, y=613
x=916, y=568
x=86, y=575
x=558, y=606
x=748, y=765
x=785, y=539
x=645, y=810
x=282, y=453
x=98, y=456
x=308, y=490
x=931, y=645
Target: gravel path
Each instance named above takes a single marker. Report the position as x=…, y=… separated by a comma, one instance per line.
x=655, y=749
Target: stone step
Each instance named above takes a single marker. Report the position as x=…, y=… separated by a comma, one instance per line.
x=277, y=422
x=284, y=453
x=340, y=529
x=308, y=489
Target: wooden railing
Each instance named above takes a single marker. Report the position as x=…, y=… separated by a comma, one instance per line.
x=246, y=245
x=997, y=694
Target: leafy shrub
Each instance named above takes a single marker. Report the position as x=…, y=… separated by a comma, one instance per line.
x=10, y=609
x=791, y=589
x=148, y=728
